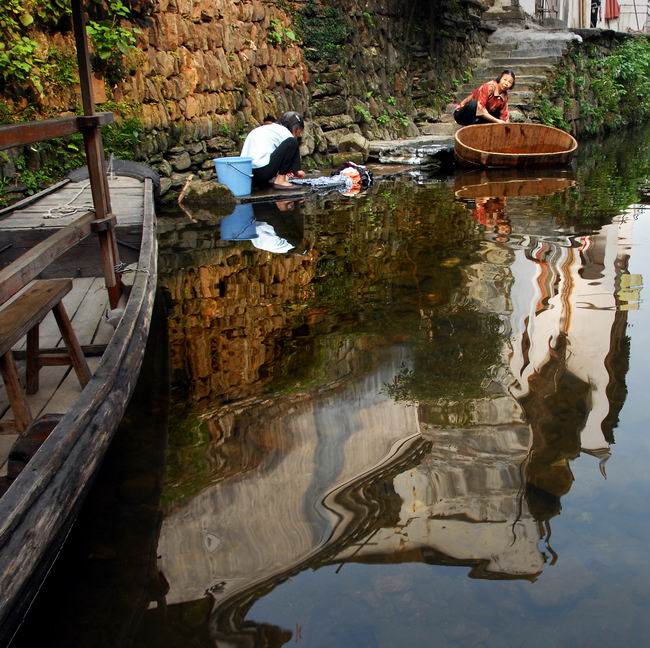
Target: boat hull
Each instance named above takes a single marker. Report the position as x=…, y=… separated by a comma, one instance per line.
x=513, y=145
x=38, y=509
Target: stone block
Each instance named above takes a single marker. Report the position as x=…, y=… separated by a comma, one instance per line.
x=337, y=159
x=329, y=106
x=259, y=11
x=354, y=142
x=325, y=90
x=335, y=121
x=333, y=137
x=181, y=161
x=178, y=180
x=165, y=185
x=329, y=77
x=164, y=168
x=219, y=144
x=200, y=193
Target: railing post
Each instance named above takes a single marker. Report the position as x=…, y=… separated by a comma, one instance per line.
x=96, y=164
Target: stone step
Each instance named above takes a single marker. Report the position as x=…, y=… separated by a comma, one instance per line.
x=414, y=151
x=500, y=51
x=500, y=15
x=525, y=83
x=518, y=61
x=492, y=71
x=517, y=95
x=445, y=128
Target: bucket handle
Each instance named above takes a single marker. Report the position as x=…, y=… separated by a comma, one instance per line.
x=239, y=170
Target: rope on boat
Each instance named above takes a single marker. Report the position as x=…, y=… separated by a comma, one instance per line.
x=66, y=210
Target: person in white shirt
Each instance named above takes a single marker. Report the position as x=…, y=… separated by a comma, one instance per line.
x=275, y=150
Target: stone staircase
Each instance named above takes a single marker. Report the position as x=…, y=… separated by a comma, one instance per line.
x=518, y=44
x=531, y=53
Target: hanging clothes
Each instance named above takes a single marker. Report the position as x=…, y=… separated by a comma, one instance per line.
x=612, y=9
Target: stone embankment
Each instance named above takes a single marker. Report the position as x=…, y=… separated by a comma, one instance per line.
x=516, y=44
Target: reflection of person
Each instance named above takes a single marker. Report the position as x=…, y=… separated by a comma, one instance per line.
x=275, y=150
x=487, y=103
x=277, y=228
x=280, y=227
x=491, y=213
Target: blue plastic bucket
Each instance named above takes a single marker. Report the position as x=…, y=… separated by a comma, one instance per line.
x=240, y=225
x=236, y=173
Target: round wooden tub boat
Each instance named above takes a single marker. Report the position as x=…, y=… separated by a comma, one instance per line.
x=513, y=145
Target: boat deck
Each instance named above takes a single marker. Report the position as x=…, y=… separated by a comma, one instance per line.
x=86, y=304
x=62, y=206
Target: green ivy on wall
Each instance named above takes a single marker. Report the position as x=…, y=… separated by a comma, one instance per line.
x=323, y=31
x=26, y=61
x=608, y=91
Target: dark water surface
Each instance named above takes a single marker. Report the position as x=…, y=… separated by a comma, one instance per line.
x=420, y=421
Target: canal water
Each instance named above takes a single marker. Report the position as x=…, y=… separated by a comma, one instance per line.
x=415, y=416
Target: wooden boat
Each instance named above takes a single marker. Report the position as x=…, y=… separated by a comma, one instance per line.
x=513, y=145
x=56, y=455
x=504, y=183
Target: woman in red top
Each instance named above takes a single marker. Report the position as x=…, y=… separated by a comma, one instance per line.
x=487, y=103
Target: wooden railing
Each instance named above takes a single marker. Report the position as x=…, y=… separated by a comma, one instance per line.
x=101, y=221
x=31, y=132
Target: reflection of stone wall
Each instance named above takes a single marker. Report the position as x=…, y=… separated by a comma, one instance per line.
x=227, y=316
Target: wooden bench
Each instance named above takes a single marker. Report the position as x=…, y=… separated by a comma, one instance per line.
x=22, y=317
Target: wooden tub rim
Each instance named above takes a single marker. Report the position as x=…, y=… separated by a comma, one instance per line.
x=574, y=143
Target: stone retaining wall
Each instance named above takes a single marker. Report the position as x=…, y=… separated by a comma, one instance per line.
x=212, y=70
x=207, y=71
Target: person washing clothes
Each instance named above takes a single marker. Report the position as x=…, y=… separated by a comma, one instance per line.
x=275, y=150
x=488, y=103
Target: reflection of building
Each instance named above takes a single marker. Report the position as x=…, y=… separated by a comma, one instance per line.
x=567, y=312
x=462, y=504
x=351, y=475
x=248, y=528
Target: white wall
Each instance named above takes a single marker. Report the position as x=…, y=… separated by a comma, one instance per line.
x=576, y=13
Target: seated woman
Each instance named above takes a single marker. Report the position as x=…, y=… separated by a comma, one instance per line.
x=275, y=151
x=487, y=103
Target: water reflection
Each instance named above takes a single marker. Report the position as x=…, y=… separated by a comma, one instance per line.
x=276, y=227
x=412, y=392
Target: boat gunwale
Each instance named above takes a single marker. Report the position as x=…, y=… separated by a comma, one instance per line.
x=457, y=140
x=77, y=422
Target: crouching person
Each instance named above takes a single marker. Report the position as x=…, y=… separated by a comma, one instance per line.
x=275, y=150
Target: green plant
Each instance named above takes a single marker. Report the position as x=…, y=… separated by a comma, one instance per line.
x=18, y=60
x=26, y=67
x=550, y=114
x=363, y=113
x=369, y=19
x=110, y=43
x=323, y=31
x=401, y=118
x=279, y=35
x=391, y=101
x=383, y=119
x=51, y=12
x=610, y=88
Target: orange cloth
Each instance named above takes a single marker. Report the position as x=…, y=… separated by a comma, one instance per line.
x=612, y=9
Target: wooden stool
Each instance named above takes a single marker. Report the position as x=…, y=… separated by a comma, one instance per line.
x=22, y=317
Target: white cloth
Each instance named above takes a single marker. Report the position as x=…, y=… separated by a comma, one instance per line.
x=262, y=141
x=268, y=240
